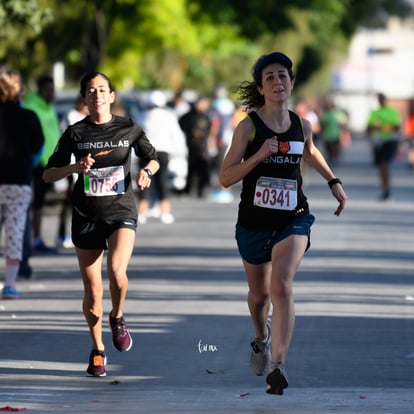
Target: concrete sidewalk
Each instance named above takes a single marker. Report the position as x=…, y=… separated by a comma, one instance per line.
x=352, y=350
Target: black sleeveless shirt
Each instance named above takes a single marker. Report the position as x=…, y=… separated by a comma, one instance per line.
x=267, y=213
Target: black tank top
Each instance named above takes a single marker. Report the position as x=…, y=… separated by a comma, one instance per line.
x=272, y=193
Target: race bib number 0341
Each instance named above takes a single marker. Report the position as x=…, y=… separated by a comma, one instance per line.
x=100, y=182
x=276, y=193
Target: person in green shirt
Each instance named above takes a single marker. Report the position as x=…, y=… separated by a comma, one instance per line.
x=41, y=102
x=384, y=124
x=333, y=124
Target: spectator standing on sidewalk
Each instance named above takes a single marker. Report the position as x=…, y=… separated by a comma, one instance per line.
x=196, y=125
x=179, y=105
x=21, y=138
x=333, y=129
x=273, y=225
x=104, y=213
x=41, y=102
x=161, y=124
x=222, y=114
x=384, y=128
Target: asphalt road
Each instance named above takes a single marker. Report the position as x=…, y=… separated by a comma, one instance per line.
x=353, y=346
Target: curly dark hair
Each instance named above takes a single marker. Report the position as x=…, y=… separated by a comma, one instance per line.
x=248, y=92
x=249, y=96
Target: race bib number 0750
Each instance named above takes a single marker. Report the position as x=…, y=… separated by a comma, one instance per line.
x=106, y=181
x=276, y=193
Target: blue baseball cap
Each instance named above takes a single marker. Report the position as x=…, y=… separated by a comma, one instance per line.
x=275, y=57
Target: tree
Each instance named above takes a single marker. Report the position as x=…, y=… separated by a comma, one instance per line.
x=21, y=21
x=80, y=32
x=313, y=32
x=182, y=43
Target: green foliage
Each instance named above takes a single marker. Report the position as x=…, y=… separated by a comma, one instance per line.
x=21, y=21
x=182, y=43
x=27, y=15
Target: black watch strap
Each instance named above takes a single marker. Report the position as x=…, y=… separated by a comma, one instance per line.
x=149, y=172
x=334, y=181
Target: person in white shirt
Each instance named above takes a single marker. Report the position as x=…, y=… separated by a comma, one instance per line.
x=161, y=124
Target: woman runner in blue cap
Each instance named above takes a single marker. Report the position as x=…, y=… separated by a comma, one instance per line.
x=273, y=224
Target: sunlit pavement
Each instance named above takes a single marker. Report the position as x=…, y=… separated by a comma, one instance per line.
x=353, y=346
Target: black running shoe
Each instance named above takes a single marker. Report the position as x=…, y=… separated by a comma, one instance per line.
x=97, y=362
x=121, y=339
x=277, y=379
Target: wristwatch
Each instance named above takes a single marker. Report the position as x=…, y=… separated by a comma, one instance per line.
x=149, y=172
